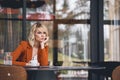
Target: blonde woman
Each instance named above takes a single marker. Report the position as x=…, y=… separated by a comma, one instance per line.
x=33, y=52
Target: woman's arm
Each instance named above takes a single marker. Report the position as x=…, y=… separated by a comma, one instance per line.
x=43, y=56
x=16, y=53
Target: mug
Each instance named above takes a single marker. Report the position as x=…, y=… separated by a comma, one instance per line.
x=7, y=58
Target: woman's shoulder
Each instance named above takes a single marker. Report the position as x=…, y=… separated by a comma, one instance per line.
x=24, y=43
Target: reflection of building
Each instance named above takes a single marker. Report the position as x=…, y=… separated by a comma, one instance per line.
x=114, y=45
x=76, y=43
x=34, y=15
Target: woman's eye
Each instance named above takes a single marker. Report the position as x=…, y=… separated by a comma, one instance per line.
x=44, y=32
x=39, y=32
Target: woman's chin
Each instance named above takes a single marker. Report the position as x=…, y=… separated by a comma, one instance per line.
x=41, y=40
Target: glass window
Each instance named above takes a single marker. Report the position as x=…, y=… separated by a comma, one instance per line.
x=112, y=30
x=10, y=34
x=73, y=39
x=10, y=13
x=74, y=9
x=41, y=11
x=10, y=9
x=112, y=42
x=111, y=9
x=37, y=10
x=73, y=43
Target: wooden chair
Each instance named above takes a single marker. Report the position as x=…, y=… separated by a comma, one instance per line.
x=8, y=72
x=116, y=73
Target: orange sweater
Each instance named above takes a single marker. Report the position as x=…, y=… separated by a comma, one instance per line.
x=23, y=54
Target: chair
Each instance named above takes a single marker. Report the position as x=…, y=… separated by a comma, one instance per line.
x=8, y=72
x=116, y=73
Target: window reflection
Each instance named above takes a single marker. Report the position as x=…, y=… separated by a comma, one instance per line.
x=44, y=12
x=73, y=42
x=10, y=34
x=35, y=10
x=112, y=30
x=66, y=10
x=111, y=9
x=111, y=42
x=10, y=13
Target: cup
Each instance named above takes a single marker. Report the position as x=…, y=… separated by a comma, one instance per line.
x=7, y=58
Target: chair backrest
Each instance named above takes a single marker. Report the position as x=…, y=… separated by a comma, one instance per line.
x=116, y=73
x=8, y=72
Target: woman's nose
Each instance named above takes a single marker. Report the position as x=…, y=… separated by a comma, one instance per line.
x=42, y=35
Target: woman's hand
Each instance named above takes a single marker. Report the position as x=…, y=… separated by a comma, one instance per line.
x=32, y=63
x=27, y=64
x=46, y=39
x=43, y=42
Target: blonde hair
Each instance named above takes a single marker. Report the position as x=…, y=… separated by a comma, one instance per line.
x=31, y=36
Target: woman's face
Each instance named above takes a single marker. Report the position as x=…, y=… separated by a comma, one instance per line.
x=40, y=34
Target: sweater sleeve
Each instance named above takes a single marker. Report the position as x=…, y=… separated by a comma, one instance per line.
x=43, y=56
x=16, y=53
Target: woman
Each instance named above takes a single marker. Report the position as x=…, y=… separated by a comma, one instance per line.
x=33, y=52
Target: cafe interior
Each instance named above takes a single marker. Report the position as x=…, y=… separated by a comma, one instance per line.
x=84, y=41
